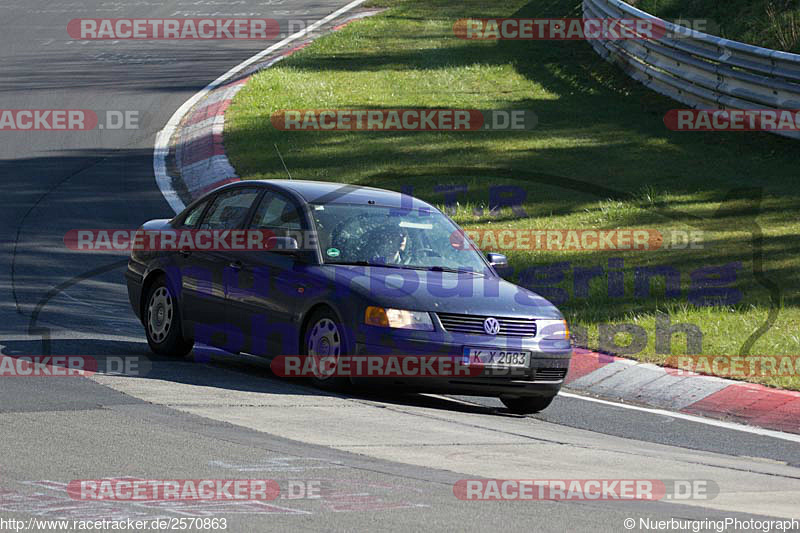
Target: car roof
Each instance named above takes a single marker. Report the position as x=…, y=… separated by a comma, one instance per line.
x=325, y=192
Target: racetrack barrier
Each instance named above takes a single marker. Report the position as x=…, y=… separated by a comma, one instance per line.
x=701, y=70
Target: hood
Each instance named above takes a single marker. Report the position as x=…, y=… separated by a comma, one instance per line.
x=446, y=292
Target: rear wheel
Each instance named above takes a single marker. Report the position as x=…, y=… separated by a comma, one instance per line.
x=162, y=321
x=325, y=342
x=526, y=405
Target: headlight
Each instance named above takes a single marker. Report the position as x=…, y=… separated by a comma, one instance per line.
x=398, y=318
x=552, y=329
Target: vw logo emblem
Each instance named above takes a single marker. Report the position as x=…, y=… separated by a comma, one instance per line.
x=491, y=326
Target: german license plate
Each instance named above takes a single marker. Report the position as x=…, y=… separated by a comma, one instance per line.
x=496, y=358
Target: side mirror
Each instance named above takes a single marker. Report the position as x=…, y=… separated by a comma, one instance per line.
x=500, y=264
x=289, y=248
x=282, y=244
x=497, y=260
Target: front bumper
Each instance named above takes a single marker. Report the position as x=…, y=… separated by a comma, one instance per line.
x=133, y=280
x=544, y=377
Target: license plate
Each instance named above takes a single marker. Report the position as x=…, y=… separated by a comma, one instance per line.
x=496, y=358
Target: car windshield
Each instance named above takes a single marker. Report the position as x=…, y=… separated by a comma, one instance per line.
x=396, y=237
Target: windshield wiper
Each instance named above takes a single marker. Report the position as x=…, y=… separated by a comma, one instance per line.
x=362, y=263
x=370, y=264
x=406, y=267
x=454, y=270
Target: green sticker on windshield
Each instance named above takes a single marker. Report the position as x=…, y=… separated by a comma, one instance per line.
x=333, y=252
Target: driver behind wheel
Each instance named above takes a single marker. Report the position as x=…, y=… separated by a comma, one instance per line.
x=399, y=244
x=389, y=245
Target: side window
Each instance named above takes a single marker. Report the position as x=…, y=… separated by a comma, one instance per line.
x=277, y=212
x=229, y=209
x=193, y=218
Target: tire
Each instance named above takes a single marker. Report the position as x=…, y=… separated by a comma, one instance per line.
x=324, y=339
x=526, y=405
x=162, y=321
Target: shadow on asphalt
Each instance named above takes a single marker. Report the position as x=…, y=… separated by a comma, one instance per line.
x=209, y=367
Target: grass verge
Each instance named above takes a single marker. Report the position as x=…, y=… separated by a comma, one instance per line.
x=600, y=158
x=768, y=23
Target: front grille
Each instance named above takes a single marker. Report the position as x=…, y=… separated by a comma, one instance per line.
x=509, y=327
x=550, y=374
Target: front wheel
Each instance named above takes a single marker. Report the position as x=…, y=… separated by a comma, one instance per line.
x=324, y=341
x=162, y=322
x=527, y=404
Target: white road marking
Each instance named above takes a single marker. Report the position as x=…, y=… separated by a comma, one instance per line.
x=448, y=398
x=674, y=414
x=67, y=335
x=161, y=149
x=692, y=418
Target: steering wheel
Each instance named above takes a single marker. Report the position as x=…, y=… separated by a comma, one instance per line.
x=420, y=253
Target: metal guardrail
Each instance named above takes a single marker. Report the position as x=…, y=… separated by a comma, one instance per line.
x=701, y=70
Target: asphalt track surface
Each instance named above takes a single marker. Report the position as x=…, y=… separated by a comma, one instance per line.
x=386, y=462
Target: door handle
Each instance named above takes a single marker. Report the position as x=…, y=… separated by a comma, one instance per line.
x=185, y=253
x=236, y=265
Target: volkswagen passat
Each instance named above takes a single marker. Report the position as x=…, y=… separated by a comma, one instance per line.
x=346, y=271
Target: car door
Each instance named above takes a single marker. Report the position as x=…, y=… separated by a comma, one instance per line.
x=203, y=272
x=263, y=294
x=195, y=283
